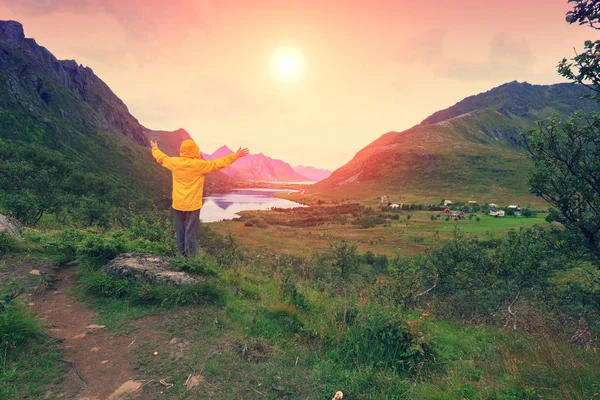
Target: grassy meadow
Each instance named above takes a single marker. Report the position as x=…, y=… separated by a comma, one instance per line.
x=347, y=312
x=411, y=233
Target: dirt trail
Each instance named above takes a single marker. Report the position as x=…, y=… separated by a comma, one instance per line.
x=105, y=361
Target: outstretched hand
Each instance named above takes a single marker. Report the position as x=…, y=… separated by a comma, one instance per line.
x=242, y=152
x=153, y=143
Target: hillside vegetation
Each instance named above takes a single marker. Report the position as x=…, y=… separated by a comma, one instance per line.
x=472, y=318
x=68, y=145
x=471, y=149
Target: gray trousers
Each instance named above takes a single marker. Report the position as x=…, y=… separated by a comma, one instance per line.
x=187, y=225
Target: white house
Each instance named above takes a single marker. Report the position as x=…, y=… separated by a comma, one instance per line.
x=494, y=212
x=394, y=206
x=493, y=205
x=447, y=203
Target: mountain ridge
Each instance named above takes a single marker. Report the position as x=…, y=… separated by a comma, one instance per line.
x=471, y=147
x=258, y=167
x=74, y=124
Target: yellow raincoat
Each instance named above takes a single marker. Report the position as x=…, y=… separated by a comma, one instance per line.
x=188, y=173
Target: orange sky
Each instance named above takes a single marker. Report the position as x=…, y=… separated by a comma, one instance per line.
x=371, y=66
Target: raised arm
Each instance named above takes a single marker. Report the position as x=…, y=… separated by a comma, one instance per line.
x=220, y=163
x=159, y=156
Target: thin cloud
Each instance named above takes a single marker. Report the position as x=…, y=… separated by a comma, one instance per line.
x=508, y=59
x=143, y=19
x=425, y=48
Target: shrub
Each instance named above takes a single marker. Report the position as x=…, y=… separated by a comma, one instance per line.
x=225, y=249
x=384, y=337
x=102, y=285
x=201, y=265
x=154, y=226
x=344, y=257
x=7, y=243
x=96, y=250
x=64, y=245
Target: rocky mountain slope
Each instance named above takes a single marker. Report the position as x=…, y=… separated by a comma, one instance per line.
x=471, y=148
x=258, y=167
x=312, y=173
x=58, y=117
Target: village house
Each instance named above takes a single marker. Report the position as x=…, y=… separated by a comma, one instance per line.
x=394, y=205
x=493, y=205
x=494, y=212
x=447, y=203
x=457, y=215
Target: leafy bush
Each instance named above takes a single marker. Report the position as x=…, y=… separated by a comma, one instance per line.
x=384, y=337
x=96, y=250
x=7, y=243
x=155, y=230
x=344, y=257
x=102, y=285
x=200, y=265
x=226, y=250
x=63, y=246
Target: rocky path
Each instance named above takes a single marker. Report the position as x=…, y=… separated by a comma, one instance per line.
x=101, y=365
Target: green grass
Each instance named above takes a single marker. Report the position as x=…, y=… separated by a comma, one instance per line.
x=488, y=363
x=30, y=371
x=488, y=224
x=253, y=347
x=405, y=236
x=289, y=327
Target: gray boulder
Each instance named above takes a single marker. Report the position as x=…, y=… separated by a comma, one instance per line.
x=137, y=267
x=9, y=226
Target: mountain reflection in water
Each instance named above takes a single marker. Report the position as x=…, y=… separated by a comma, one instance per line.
x=223, y=206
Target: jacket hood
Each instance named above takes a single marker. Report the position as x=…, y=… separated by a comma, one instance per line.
x=189, y=149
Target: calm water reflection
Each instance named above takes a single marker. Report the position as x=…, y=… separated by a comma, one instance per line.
x=224, y=206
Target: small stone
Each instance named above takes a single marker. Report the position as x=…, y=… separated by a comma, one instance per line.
x=35, y=272
x=156, y=353
x=94, y=327
x=31, y=304
x=80, y=336
x=194, y=381
x=174, y=341
x=104, y=361
x=95, y=348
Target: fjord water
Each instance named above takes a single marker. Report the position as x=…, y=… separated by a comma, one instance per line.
x=223, y=206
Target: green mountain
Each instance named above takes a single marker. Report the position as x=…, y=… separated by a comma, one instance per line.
x=470, y=150
x=68, y=144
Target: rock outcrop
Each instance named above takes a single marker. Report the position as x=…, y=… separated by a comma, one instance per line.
x=137, y=267
x=9, y=226
x=36, y=79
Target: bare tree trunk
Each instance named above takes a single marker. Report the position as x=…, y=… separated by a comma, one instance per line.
x=512, y=314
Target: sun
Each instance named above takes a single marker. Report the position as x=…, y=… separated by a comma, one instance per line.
x=287, y=64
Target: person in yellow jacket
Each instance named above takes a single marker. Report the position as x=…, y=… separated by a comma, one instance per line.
x=188, y=172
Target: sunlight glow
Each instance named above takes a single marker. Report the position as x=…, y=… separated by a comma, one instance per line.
x=287, y=64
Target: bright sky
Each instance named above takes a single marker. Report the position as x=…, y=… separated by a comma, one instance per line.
x=369, y=66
